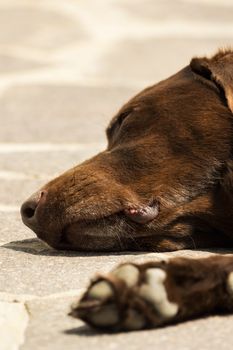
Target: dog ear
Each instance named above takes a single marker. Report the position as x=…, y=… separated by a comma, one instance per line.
x=219, y=70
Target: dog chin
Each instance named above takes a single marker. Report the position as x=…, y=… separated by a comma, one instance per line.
x=80, y=236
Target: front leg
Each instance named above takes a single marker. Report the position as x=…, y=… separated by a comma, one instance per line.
x=154, y=294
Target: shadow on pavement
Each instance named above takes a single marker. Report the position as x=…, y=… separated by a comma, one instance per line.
x=35, y=246
x=86, y=331
x=82, y=331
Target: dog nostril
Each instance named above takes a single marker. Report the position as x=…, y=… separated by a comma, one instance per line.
x=28, y=209
x=28, y=212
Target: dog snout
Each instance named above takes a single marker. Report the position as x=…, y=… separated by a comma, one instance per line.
x=29, y=208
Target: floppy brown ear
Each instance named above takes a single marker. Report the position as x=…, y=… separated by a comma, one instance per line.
x=219, y=70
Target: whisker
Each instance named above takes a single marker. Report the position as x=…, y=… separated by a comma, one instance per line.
x=130, y=236
x=192, y=239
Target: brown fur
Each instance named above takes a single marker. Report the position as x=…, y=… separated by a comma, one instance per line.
x=169, y=148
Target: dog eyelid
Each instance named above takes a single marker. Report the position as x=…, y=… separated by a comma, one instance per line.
x=123, y=115
x=117, y=123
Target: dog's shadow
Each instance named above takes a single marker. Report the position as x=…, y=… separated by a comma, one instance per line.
x=35, y=246
x=88, y=331
x=84, y=331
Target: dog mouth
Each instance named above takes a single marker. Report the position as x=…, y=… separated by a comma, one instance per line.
x=132, y=228
x=100, y=233
x=97, y=234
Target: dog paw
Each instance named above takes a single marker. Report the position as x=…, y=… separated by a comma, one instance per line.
x=129, y=298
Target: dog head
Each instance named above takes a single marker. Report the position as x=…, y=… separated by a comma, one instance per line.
x=165, y=180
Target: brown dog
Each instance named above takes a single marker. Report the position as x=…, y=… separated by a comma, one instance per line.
x=165, y=182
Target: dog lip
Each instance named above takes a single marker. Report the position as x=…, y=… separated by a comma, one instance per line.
x=51, y=237
x=57, y=237
x=147, y=214
x=144, y=214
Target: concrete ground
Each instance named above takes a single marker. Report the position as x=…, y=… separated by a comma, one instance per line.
x=65, y=68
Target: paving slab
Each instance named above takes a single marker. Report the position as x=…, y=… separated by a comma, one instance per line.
x=43, y=164
x=41, y=271
x=59, y=113
x=15, y=192
x=52, y=314
x=51, y=328
x=11, y=228
x=13, y=322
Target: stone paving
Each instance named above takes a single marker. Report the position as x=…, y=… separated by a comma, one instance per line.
x=65, y=68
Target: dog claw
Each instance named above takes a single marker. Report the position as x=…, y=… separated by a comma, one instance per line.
x=96, y=314
x=96, y=306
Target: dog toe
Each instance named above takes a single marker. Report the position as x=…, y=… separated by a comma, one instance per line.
x=128, y=273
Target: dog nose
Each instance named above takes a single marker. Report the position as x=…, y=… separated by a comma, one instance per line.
x=28, y=209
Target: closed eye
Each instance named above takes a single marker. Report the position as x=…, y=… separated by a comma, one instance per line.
x=116, y=123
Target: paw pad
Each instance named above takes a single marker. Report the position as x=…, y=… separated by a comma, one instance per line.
x=100, y=290
x=155, y=293
x=128, y=273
